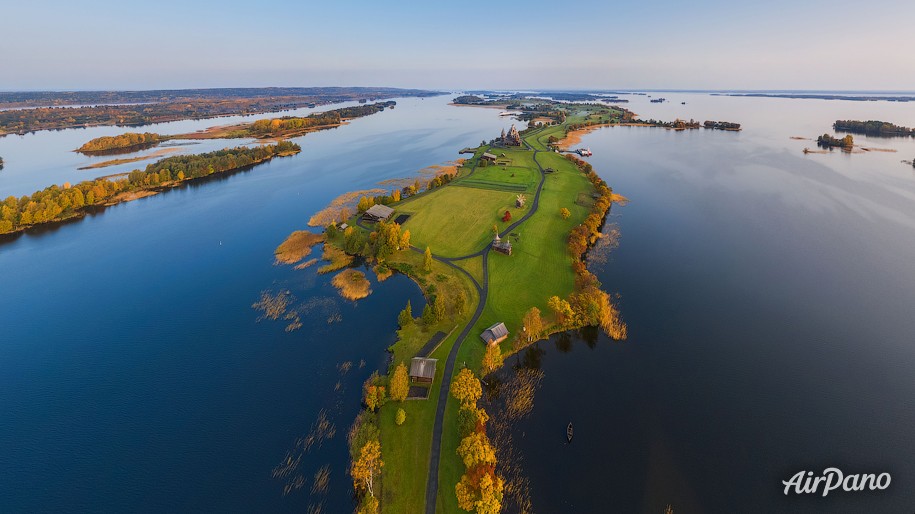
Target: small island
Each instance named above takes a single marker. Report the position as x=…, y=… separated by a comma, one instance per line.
x=124, y=143
x=827, y=141
x=721, y=125
x=872, y=128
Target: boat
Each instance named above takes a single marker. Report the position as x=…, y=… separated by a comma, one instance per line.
x=569, y=431
x=584, y=152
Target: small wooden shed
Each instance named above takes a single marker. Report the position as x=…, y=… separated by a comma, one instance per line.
x=422, y=370
x=495, y=334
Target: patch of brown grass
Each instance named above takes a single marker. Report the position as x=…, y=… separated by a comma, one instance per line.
x=297, y=246
x=352, y=284
x=309, y=262
x=115, y=162
x=340, y=206
x=574, y=136
x=337, y=258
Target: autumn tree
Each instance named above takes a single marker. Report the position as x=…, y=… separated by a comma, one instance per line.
x=466, y=387
x=565, y=213
x=492, y=359
x=561, y=310
x=374, y=395
x=400, y=417
x=476, y=449
x=400, y=383
x=533, y=324
x=367, y=466
x=405, y=240
x=427, y=260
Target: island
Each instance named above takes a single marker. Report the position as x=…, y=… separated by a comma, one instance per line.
x=872, y=128
x=56, y=204
x=828, y=141
x=498, y=250
x=23, y=112
x=722, y=125
x=1, y=163
x=275, y=128
x=124, y=143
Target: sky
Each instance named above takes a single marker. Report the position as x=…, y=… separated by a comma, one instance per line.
x=573, y=44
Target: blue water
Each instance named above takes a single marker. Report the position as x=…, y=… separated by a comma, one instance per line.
x=769, y=300
x=134, y=375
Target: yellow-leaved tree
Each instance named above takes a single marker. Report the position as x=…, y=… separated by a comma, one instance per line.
x=400, y=383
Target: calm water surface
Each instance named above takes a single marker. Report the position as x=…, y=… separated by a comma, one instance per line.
x=768, y=296
x=769, y=300
x=134, y=375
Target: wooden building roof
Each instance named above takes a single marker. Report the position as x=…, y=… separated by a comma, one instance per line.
x=496, y=332
x=421, y=367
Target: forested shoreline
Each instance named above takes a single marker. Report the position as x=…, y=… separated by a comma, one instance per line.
x=59, y=203
x=43, y=110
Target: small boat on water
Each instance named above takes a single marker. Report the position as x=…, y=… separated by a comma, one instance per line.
x=569, y=431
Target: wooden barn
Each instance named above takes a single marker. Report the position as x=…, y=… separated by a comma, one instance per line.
x=378, y=213
x=495, y=334
x=489, y=157
x=422, y=370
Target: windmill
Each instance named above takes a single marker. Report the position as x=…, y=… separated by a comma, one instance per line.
x=519, y=200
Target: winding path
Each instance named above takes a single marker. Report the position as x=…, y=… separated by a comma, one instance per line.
x=483, y=290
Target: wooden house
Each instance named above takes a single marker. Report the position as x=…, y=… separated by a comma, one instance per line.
x=489, y=157
x=495, y=334
x=422, y=370
x=378, y=213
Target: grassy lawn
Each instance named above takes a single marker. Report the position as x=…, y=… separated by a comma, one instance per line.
x=405, y=449
x=538, y=268
x=455, y=221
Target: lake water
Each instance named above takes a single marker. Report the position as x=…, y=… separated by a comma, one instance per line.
x=134, y=375
x=768, y=296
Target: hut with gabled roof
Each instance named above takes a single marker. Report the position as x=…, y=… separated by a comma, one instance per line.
x=495, y=334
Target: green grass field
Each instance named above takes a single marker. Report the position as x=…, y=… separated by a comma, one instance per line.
x=455, y=221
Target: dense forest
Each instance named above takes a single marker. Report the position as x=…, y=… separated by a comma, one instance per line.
x=286, y=125
x=126, y=141
x=141, y=108
x=58, y=203
x=677, y=124
x=872, y=128
x=827, y=141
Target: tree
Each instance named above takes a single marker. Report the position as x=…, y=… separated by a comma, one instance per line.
x=466, y=388
x=533, y=324
x=428, y=315
x=405, y=240
x=427, y=261
x=565, y=213
x=492, y=359
x=460, y=301
x=400, y=417
x=476, y=449
x=438, y=309
x=367, y=466
x=561, y=309
x=395, y=195
x=400, y=383
x=374, y=396
x=405, y=318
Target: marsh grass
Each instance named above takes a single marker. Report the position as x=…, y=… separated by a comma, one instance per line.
x=297, y=246
x=352, y=284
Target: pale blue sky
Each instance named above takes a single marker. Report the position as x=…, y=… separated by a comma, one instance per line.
x=702, y=44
